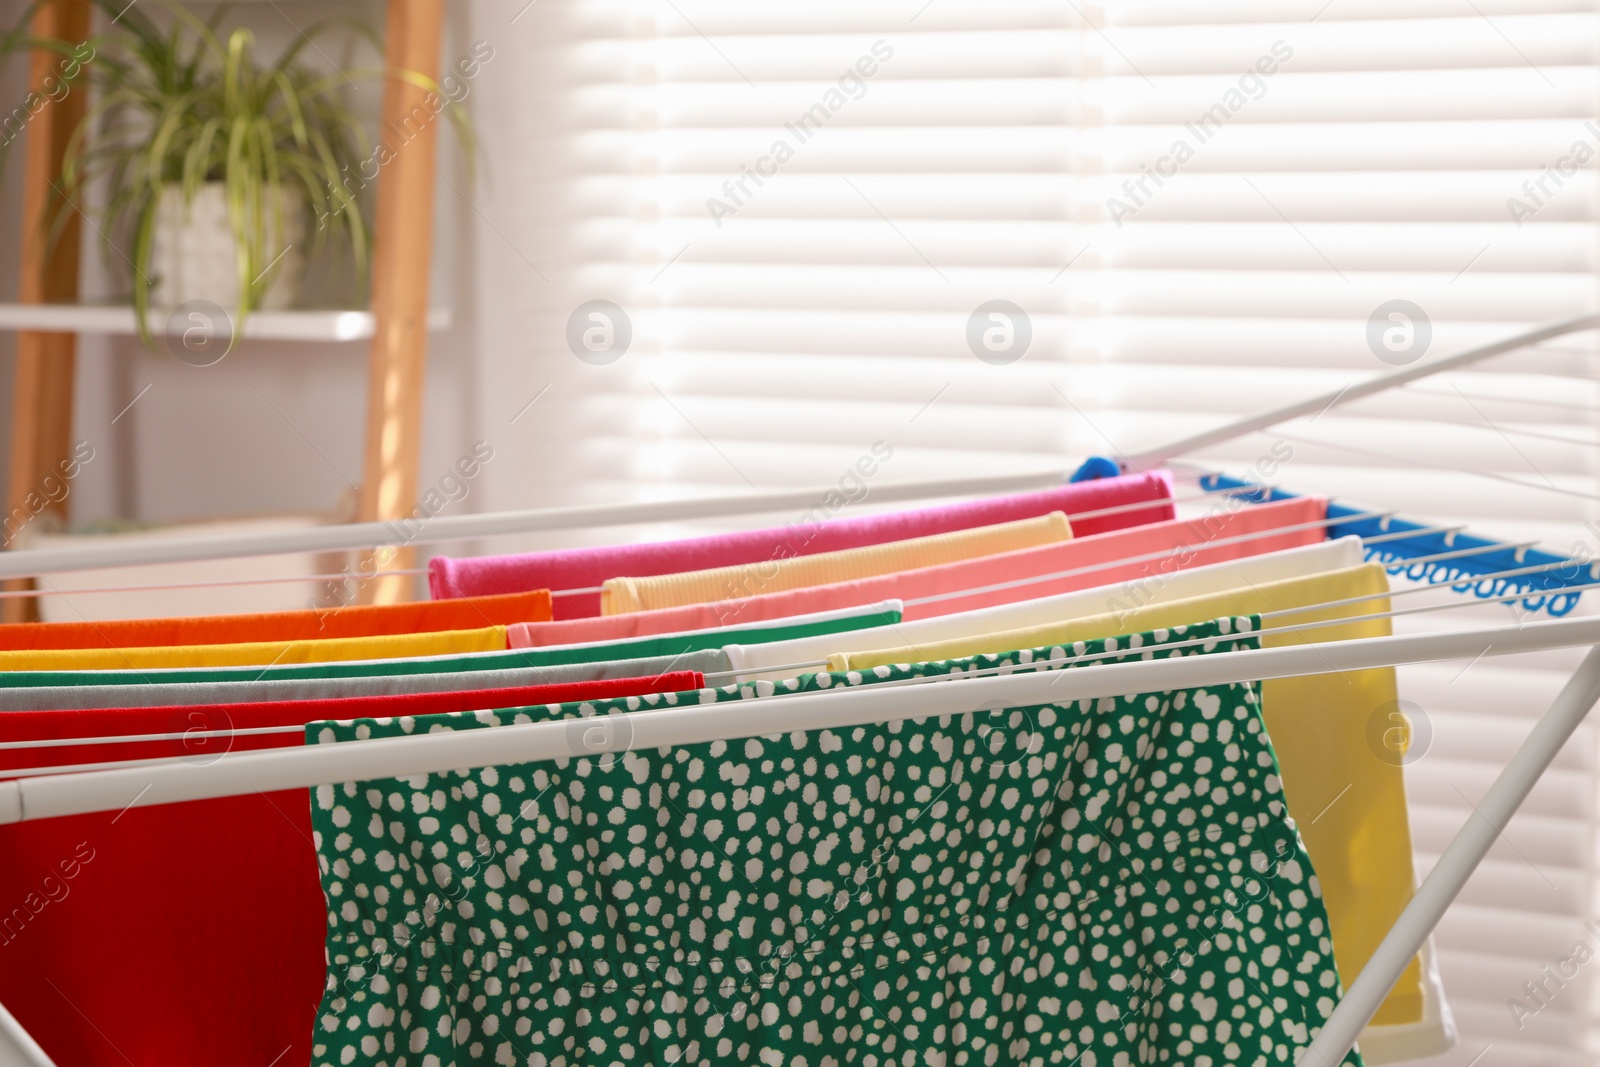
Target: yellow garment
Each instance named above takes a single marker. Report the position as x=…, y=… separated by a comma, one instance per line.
x=620, y=596
x=1349, y=802
x=249, y=654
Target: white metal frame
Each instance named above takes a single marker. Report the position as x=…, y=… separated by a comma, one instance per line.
x=17, y=1046
x=246, y=772
x=50, y=796
x=34, y=562
x=1381, y=384
x=357, y=535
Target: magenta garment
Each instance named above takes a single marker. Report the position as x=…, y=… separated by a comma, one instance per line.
x=584, y=568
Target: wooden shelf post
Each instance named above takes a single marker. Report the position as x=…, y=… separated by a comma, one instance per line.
x=41, y=429
x=402, y=253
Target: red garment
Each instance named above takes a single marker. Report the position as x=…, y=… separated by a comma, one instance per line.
x=187, y=935
x=584, y=568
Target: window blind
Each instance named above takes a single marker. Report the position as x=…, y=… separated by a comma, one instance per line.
x=1189, y=211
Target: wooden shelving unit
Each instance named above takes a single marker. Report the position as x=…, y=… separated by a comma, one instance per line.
x=48, y=320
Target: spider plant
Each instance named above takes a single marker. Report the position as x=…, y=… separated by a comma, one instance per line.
x=179, y=107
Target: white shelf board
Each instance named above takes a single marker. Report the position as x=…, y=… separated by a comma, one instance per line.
x=261, y=325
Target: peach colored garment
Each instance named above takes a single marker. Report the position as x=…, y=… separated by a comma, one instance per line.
x=618, y=596
x=1191, y=543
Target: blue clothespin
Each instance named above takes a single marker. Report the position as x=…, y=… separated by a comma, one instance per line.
x=1094, y=468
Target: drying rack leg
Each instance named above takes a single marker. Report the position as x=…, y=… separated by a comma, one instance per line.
x=1456, y=865
x=17, y=1048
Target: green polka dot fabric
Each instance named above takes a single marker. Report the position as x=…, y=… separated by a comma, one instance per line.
x=1091, y=884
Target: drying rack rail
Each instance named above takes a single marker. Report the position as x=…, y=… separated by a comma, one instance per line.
x=46, y=796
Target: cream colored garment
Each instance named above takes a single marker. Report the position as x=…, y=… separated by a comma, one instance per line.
x=1347, y=794
x=777, y=660
x=622, y=595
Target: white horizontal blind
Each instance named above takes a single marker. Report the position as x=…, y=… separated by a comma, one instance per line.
x=829, y=309
x=1336, y=156
x=1376, y=165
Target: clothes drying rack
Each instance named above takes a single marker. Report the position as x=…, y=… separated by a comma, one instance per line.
x=43, y=795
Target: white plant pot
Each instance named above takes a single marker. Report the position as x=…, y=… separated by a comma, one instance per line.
x=192, y=254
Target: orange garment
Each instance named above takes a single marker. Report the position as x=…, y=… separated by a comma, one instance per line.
x=356, y=620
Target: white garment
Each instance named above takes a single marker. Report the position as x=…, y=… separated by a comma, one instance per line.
x=1098, y=600
x=621, y=644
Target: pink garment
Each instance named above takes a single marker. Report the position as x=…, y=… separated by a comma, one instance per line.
x=584, y=568
x=1114, y=547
